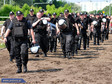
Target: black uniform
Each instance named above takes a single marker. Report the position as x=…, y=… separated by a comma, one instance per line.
x=103, y=30
x=41, y=36
x=9, y=43
x=31, y=19
x=20, y=33
x=97, y=31
x=89, y=21
x=75, y=39
x=107, y=29
x=83, y=34
x=52, y=37
x=66, y=36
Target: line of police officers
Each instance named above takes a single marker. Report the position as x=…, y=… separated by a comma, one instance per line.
x=44, y=30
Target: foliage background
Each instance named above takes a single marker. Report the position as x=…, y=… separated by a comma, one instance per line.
x=50, y=6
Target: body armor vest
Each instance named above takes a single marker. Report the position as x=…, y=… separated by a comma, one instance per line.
x=31, y=18
x=20, y=28
x=41, y=28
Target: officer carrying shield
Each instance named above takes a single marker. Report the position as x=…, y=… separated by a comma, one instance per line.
x=40, y=29
x=65, y=25
x=19, y=27
x=97, y=29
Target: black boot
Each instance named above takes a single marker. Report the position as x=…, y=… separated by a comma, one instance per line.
x=54, y=50
x=19, y=69
x=24, y=68
x=45, y=54
x=51, y=50
x=76, y=52
x=37, y=55
x=64, y=55
x=72, y=53
x=68, y=55
x=11, y=58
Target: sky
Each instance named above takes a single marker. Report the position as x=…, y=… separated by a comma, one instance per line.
x=88, y=0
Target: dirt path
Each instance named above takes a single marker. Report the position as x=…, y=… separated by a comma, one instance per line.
x=91, y=66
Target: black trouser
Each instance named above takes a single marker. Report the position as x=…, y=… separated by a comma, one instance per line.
x=88, y=41
x=96, y=36
x=107, y=34
x=52, y=43
x=21, y=52
x=58, y=38
x=79, y=41
x=29, y=41
x=42, y=41
x=84, y=37
x=66, y=42
x=91, y=35
x=52, y=40
x=102, y=35
x=9, y=45
x=74, y=43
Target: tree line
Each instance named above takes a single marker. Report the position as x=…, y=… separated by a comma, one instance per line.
x=5, y=9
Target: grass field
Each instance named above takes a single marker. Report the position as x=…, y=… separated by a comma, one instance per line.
x=2, y=45
x=1, y=22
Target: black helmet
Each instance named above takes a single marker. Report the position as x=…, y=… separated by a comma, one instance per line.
x=18, y=13
x=11, y=13
x=85, y=13
x=54, y=13
x=41, y=10
x=49, y=15
x=66, y=11
x=81, y=14
x=31, y=10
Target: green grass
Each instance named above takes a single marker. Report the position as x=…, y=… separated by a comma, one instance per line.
x=2, y=45
x=1, y=22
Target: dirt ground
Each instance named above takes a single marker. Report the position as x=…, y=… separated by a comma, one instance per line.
x=91, y=66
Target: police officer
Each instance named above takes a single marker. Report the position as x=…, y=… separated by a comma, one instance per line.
x=83, y=24
x=75, y=38
x=31, y=16
x=42, y=13
x=53, y=39
x=19, y=27
x=92, y=17
x=66, y=33
x=103, y=28
x=97, y=29
x=50, y=34
x=107, y=27
x=40, y=29
x=88, y=25
x=9, y=43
